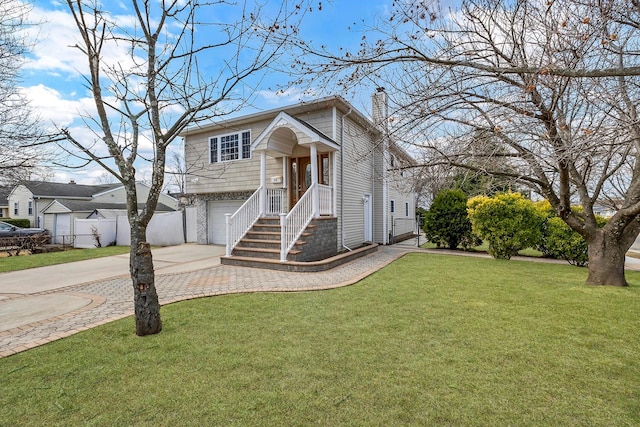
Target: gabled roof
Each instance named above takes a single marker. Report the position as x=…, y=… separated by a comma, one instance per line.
x=57, y=190
x=89, y=206
x=298, y=109
x=273, y=140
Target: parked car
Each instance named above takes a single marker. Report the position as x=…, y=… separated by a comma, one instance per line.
x=9, y=230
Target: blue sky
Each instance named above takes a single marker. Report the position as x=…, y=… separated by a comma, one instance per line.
x=53, y=74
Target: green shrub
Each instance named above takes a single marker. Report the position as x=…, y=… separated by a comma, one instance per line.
x=561, y=242
x=447, y=223
x=508, y=222
x=18, y=222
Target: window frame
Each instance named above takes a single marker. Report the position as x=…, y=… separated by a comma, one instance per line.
x=242, y=147
x=16, y=208
x=392, y=206
x=30, y=207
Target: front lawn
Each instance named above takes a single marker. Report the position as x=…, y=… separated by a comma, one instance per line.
x=24, y=262
x=430, y=340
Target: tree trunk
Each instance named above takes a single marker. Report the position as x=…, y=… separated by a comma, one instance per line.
x=145, y=297
x=606, y=261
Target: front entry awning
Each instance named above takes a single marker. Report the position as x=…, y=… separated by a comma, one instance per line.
x=285, y=132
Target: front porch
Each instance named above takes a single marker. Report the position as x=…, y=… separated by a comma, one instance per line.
x=307, y=192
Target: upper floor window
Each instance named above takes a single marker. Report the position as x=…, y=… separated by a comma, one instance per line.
x=393, y=206
x=30, y=207
x=234, y=146
x=392, y=161
x=15, y=208
x=406, y=209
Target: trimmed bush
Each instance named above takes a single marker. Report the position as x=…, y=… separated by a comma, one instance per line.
x=561, y=242
x=18, y=222
x=447, y=223
x=508, y=222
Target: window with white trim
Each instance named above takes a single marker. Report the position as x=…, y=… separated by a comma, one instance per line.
x=393, y=206
x=15, y=208
x=233, y=146
x=406, y=209
x=30, y=207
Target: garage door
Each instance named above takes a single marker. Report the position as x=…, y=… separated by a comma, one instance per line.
x=62, y=229
x=217, y=223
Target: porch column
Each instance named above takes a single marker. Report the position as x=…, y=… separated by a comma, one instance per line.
x=263, y=183
x=315, y=197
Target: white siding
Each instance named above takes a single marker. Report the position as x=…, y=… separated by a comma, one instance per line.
x=21, y=195
x=357, y=173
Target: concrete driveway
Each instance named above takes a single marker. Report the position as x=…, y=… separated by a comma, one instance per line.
x=170, y=259
x=29, y=296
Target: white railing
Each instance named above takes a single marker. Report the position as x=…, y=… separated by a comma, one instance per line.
x=325, y=196
x=293, y=224
x=275, y=201
x=242, y=220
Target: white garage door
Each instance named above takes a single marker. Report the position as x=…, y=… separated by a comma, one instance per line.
x=62, y=229
x=217, y=223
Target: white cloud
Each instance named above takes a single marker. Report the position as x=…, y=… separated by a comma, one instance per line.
x=53, y=108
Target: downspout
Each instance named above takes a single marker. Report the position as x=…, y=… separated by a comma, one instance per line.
x=342, y=178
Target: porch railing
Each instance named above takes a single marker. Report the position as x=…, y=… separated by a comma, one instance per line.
x=325, y=196
x=242, y=220
x=275, y=201
x=293, y=224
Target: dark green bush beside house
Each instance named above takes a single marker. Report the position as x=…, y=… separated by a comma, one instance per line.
x=447, y=223
x=18, y=222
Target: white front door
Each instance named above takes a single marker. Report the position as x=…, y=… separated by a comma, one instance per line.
x=368, y=218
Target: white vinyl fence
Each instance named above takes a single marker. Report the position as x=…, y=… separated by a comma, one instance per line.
x=165, y=229
x=93, y=233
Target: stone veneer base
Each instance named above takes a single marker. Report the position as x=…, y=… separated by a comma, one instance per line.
x=301, y=266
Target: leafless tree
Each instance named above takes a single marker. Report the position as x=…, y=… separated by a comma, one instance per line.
x=180, y=68
x=552, y=85
x=20, y=152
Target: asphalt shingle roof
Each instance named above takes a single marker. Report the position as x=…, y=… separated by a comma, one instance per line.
x=60, y=190
x=89, y=206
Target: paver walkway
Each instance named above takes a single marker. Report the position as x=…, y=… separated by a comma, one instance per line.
x=109, y=300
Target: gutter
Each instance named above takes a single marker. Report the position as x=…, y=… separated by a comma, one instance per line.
x=342, y=179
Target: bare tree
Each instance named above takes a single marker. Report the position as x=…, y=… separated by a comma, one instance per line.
x=179, y=69
x=551, y=85
x=20, y=153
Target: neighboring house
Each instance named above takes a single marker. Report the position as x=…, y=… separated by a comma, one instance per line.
x=321, y=163
x=54, y=205
x=4, y=202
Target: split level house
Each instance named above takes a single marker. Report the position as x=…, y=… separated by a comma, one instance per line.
x=300, y=183
x=54, y=206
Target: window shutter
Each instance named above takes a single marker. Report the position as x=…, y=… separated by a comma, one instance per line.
x=213, y=155
x=246, y=145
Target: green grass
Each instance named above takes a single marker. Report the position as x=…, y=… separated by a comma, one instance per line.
x=429, y=340
x=40, y=260
x=484, y=247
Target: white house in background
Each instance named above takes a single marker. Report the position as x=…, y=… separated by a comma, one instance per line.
x=54, y=205
x=320, y=163
x=4, y=202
